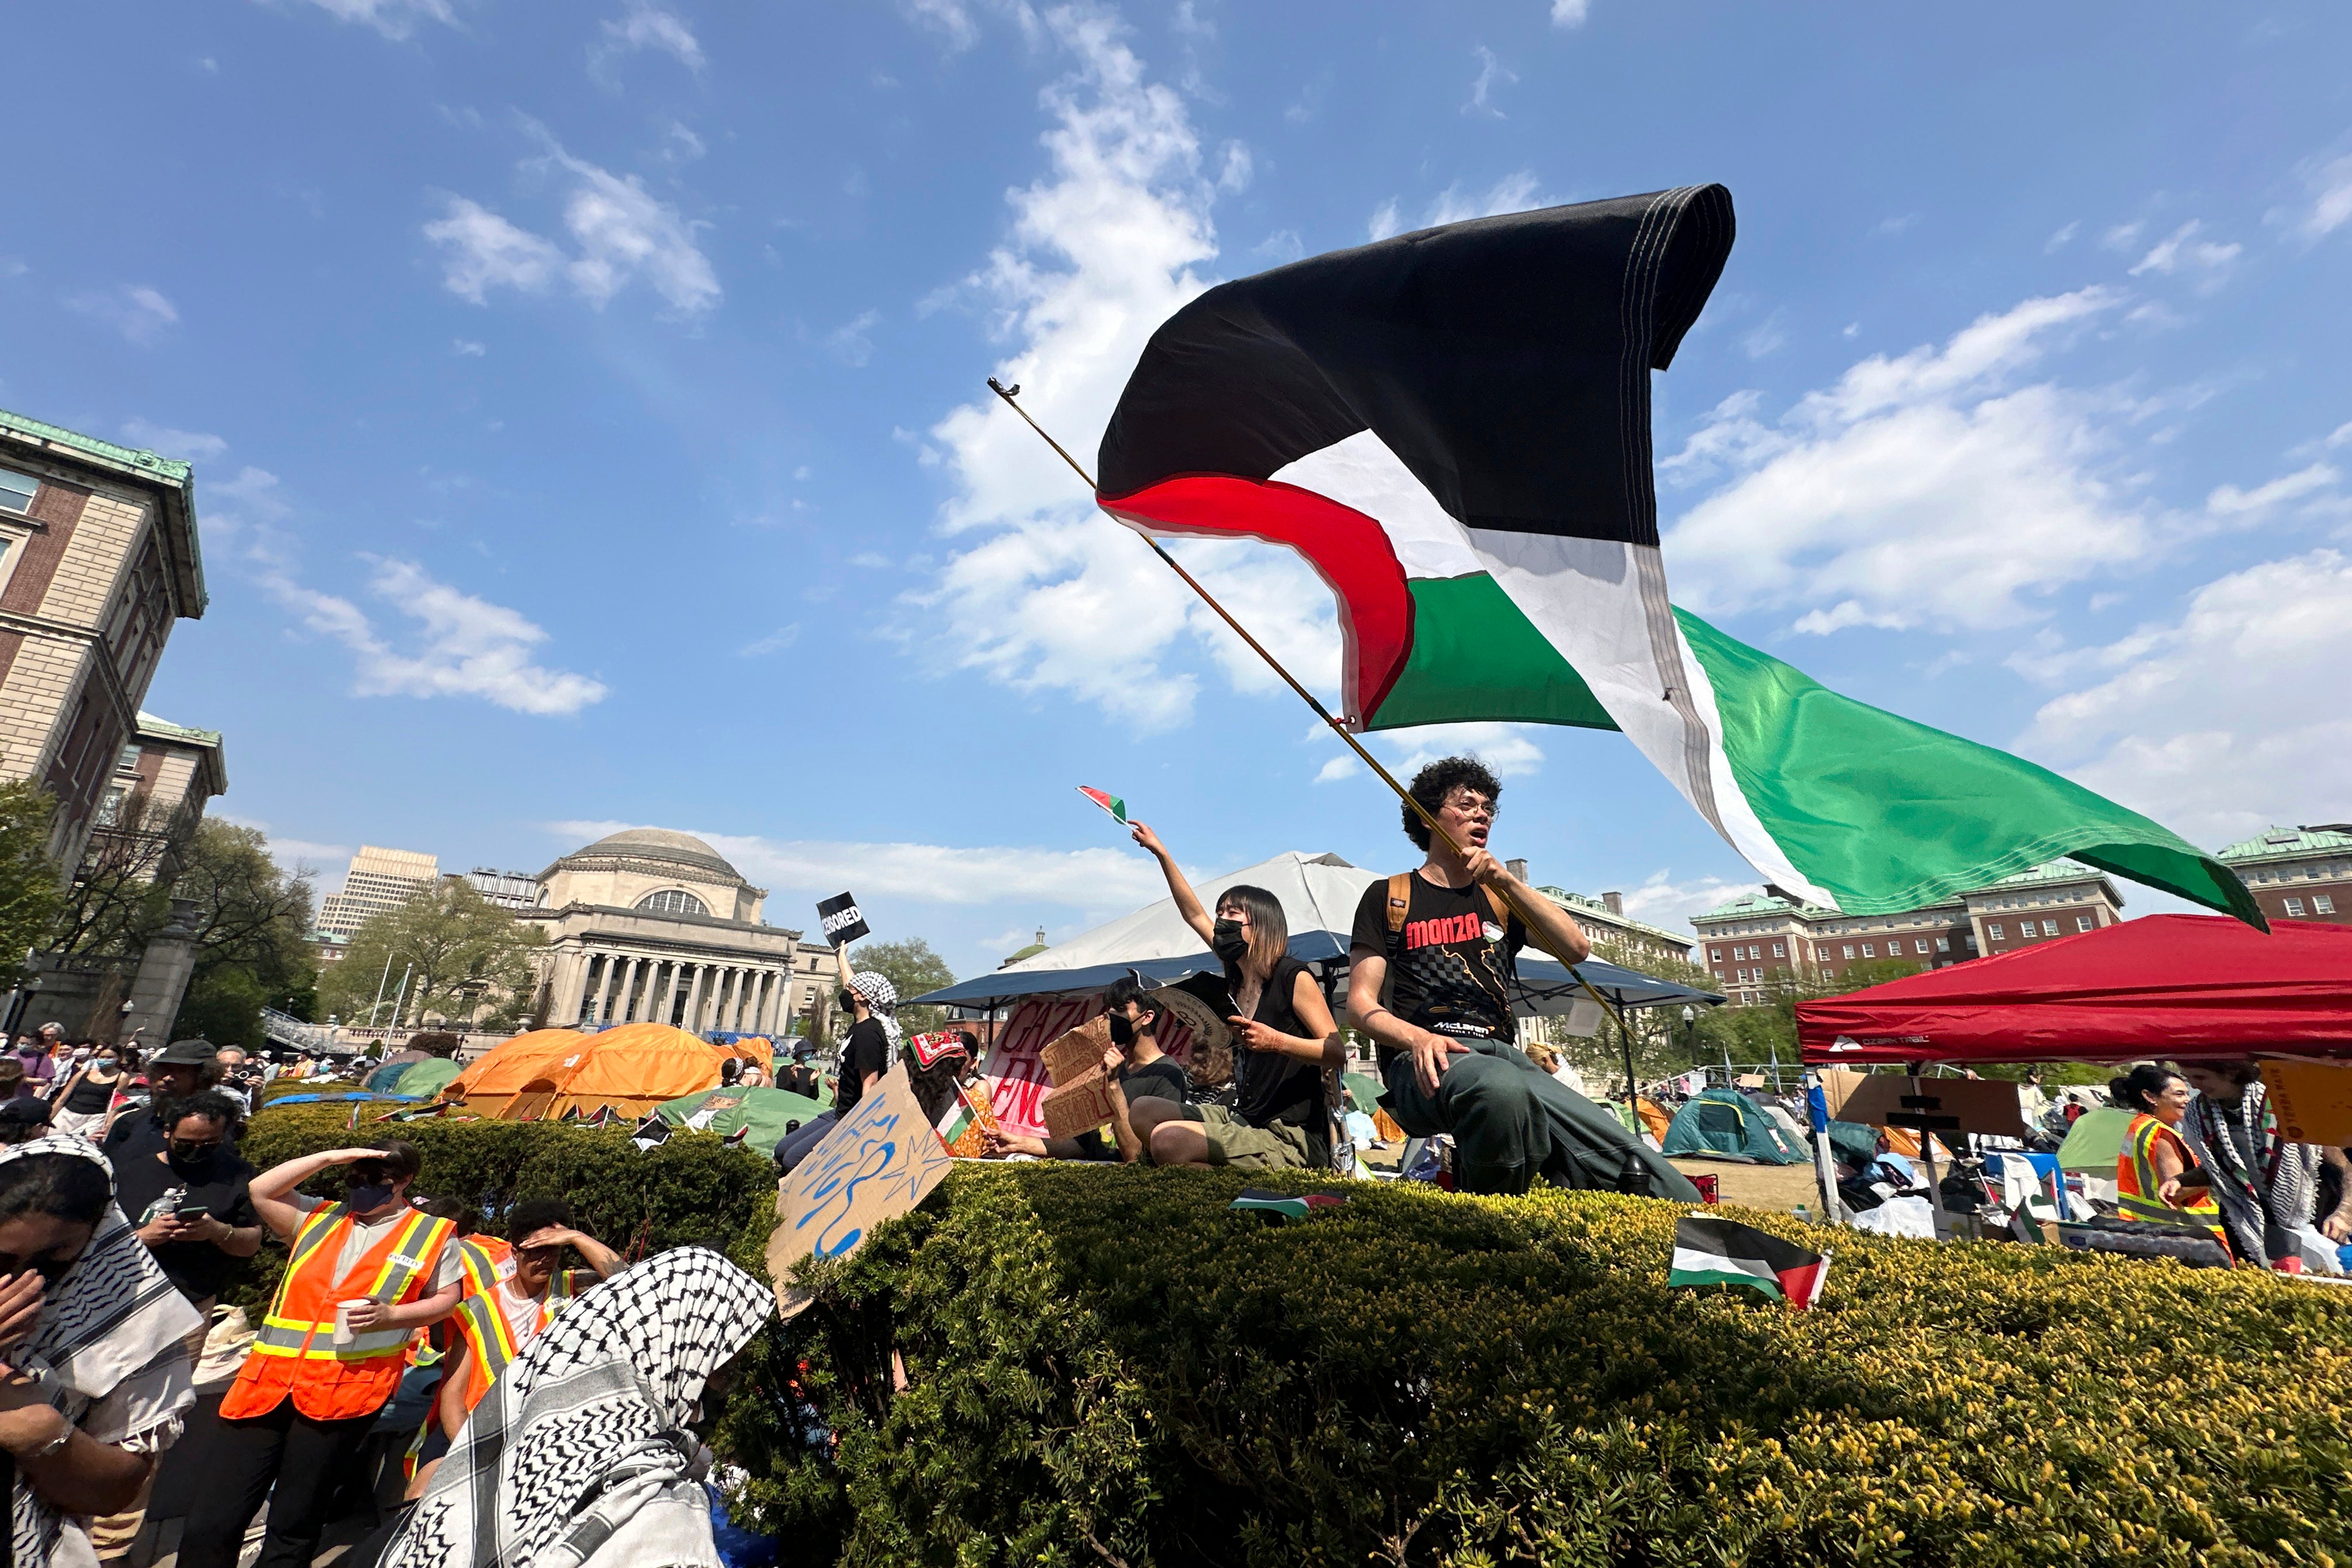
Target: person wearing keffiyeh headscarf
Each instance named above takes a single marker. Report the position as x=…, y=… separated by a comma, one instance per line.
x=95, y=1350
x=866, y=1053
x=580, y=1454
x=2265, y=1186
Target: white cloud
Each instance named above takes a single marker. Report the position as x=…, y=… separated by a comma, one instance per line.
x=1103, y=249
x=135, y=309
x=2217, y=724
x=2329, y=185
x=1492, y=73
x=849, y=344
x=946, y=17
x=622, y=231
x=871, y=561
x=1511, y=194
x=171, y=442
x=392, y=18
x=327, y=860
x=484, y=251
x=1664, y=901
x=1282, y=245
x=466, y=348
x=775, y=641
x=2181, y=252
x=1509, y=750
x=1569, y=13
x=645, y=26
x=2061, y=239
x=1875, y=501
x=468, y=646
x=2229, y=501
x=1767, y=337
x=925, y=873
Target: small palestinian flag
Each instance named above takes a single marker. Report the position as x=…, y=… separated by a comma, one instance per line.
x=735, y=1139
x=1278, y=1207
x=955, y=1122
x=604, y=1118
x=1108, y=802
x=352, y=1125
x=653, y=1130
x=1709, y=1251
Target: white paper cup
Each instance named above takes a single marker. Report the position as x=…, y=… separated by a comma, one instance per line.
x=345, y=1332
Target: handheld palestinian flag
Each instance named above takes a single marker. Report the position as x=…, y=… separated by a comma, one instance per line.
x=1453, y=427
x=1278, y=1207
x=965, y=1125
x=1108, y=802
x=1710, y=1251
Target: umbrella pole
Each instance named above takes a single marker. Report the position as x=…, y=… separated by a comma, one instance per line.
x=1010, y=394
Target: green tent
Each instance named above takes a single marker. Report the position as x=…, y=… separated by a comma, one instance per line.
x=1725, y=1124
x=426, y=1079
x=2095, y=1140
x=764, y=1111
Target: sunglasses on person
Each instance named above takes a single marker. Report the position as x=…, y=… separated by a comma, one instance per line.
x=370, y=1173
x=191, y=1148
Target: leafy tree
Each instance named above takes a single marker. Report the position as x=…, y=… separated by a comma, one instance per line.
x=251, y=921
x=913, y=968
x=468, y=960
x=122, y=893
x=28, y=877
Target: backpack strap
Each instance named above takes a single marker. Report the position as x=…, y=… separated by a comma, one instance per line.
x=1399, y=900
x=1494, y=902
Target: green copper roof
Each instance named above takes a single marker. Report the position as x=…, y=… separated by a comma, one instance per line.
x=150, y=726
x=1748, y=906
x=2059, y=871
x=162, y=467
x=1576, y=903
x=2286, y=843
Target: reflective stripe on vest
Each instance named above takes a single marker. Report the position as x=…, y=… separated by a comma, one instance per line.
x=2137, y=1184
x=418, y=1238
x=490, y=1336
x=482, y=1259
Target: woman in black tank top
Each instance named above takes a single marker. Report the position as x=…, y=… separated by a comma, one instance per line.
x=1283, y=1037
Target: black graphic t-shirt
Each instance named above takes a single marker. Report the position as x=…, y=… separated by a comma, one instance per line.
x=1450, y=967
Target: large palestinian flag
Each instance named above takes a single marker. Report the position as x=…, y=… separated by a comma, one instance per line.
x=1453, y=427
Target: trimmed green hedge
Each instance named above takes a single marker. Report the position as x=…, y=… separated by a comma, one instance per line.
x=690, y=1188
x=1107, y=1366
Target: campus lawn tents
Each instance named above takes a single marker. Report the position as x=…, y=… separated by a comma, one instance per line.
x=765, y=1111
x=2178, y=987
x=1319, y=894
x=2095, y=1140
x=547, y=1072
x=423, y=1080
x=1725, y=1124
x=338, y=1099
x=386, y=1073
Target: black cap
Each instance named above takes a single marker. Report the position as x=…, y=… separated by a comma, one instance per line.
x=185, y=1054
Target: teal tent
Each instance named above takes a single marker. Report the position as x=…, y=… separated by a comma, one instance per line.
x=764, y=1111
x=1364, y=1091
x=1725, y=1124
x=2095, y=1140
x=425, y=1080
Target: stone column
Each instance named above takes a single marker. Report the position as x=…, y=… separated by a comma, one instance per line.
x=694, y=1001
x=732, y=1018
x=603, y=986
x=164, y=966
x=760, y=996
x=627, y=1012
x=769, y=1014
x=659, y=991
x=722, y=989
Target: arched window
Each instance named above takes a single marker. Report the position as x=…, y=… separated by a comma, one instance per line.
x=671, y=901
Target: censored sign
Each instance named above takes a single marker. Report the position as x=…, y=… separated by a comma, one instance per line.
x=840, y=920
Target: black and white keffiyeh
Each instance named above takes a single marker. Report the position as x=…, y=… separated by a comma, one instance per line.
x=111, y=1351
x=2267, y=1184
x=584, y=1439
x=881, y=1000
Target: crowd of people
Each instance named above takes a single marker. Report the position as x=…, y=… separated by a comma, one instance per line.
x=367, y=1385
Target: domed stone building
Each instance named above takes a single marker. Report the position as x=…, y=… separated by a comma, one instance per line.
x=652, y=926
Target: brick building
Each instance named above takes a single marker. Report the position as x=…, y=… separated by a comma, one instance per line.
x=2298, y=873
x=98, y=560
x=1760, y=942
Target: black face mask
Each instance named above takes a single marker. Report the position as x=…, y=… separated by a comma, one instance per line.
x=196, y=1163
x=1123, y=1029
x=1228, y=943
x=847, y=1002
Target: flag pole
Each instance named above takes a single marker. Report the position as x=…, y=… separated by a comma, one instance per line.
x=1011, y=394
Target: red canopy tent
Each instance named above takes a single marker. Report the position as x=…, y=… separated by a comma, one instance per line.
x=2169, y=986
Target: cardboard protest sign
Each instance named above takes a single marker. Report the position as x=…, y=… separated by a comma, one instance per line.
x=1079, y=1052
x=840, y=920
x=1080, y=1105
x=1981, y=1104
x=878, y=1163
x=2312, y=1101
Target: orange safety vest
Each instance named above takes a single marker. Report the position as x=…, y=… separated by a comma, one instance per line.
x=483, y=1261
x=295, y=1352
x=2136, y=1181
x=490, y=1337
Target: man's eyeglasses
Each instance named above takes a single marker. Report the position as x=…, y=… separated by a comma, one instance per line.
x=183, y=1147
x=1473, y=806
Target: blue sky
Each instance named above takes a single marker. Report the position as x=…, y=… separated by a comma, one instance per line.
x=588, y=404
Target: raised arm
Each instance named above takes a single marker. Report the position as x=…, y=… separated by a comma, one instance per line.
x=1188, y=902
x=272, y=1188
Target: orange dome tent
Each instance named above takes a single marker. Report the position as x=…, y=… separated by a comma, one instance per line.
x=547, y=1072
